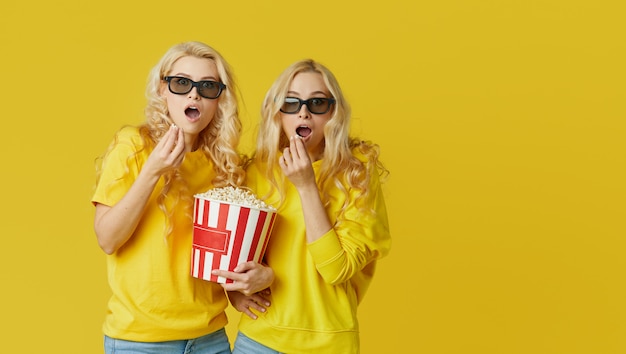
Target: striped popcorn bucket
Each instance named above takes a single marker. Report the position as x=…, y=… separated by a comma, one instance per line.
x=227, y=234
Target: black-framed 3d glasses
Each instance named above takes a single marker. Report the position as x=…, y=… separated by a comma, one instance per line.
x=206, y=88
x=315, y=105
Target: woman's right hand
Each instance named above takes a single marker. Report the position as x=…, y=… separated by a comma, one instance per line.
x=296, y=164
x=168, y=153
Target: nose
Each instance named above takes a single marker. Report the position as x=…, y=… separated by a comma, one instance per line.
x=194, y=93
x=304, y=112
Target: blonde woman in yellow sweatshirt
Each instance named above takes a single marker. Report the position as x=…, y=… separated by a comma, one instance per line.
x=332, y=223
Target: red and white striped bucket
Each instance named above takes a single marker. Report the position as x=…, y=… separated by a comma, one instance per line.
x=227, y=234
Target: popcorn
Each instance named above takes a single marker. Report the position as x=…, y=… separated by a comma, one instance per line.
x=230, y=226
x=236, y=196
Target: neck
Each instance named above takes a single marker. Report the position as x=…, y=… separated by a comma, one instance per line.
x=190, y=142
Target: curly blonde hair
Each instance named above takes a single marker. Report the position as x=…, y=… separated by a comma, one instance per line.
x=340, y=167
x=219, y=140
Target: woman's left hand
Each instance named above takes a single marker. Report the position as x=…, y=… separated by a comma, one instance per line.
x=246, y=304
x=248, y=278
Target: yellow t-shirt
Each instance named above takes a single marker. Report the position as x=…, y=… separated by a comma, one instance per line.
x=318, y=286
x=154, y=296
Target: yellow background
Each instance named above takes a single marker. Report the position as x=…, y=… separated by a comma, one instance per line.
x=502, y=123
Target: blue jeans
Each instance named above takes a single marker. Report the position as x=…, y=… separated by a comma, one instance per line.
x=214, y=343
x=245, y=345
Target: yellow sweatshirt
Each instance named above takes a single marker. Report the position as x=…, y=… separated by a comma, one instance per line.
x=318, y=286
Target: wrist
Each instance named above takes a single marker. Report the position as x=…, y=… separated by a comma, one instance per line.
x=308, y=190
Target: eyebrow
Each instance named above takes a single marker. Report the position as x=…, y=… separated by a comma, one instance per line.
x=202, y=78
x=313, y=93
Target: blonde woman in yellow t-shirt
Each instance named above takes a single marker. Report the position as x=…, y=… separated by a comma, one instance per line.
x=332, y=222
x=143, y=199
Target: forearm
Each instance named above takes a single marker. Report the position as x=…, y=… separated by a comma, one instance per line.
x=115, y=224
x=316, y=220
x=361, y=238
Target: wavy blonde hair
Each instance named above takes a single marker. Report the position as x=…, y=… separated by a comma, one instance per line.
x=340, y=167
x=219, y=140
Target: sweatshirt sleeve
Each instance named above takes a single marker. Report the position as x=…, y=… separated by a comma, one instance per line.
x=357, y=240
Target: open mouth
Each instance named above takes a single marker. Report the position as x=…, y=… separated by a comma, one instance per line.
x=303, y=131
x=192, y=112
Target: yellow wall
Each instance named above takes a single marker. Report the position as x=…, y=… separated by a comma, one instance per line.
x=502, y=123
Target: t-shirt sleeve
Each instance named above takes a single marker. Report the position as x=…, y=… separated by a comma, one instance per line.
x=120, y=167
